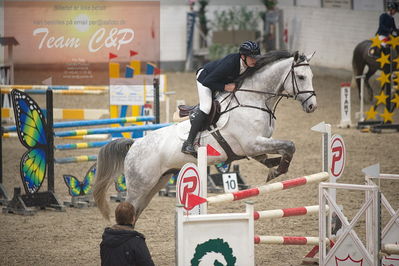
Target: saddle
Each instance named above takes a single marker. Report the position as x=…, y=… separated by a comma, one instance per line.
x=213, y=117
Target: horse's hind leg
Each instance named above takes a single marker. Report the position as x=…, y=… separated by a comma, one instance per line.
x=285, y=148
x=369, y=74
x=140, y=200
x=161, y=184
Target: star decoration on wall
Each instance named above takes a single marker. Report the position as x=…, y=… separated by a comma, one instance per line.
x=396, y=79
x=384, y=78
x=396, y=100
x=371, y=113
x=382, y=98
x=393, y=41
x=396, y=61
x=376, y=42
x=388, y=116
x=384, y=59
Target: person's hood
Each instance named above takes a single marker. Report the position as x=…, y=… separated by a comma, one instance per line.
x=117, y=235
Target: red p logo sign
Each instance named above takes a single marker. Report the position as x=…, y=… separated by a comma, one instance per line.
x=338, y=156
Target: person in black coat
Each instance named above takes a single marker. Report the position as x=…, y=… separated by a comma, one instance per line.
x=121, y=244
x=387, y=25
x=216, y=76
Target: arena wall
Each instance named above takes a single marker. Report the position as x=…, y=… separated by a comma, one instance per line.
x=331, y=32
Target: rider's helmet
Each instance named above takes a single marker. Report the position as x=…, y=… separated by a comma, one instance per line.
x=392, y=5
x=249, y=48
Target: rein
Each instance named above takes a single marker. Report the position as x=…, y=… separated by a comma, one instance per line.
x=272, y=94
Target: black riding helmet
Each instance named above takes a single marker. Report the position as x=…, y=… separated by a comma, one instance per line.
x=392, y=5
x=249, y=48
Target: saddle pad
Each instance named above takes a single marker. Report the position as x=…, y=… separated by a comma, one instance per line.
x=183, y=128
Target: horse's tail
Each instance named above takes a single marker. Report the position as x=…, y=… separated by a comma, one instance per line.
x=110, y=163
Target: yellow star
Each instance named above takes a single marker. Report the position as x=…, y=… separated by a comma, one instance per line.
x=396, y=100
x=387, y=115
x=393, y=41
x=371, y=113
x=382, y=98
x=384, y=78
x=384, y=59
x=396, y=79
x=396, y=60
x=376, y=41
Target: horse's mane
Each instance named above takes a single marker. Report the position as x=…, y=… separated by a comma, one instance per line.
x=262, y=61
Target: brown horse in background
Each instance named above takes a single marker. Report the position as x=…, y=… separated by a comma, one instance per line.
x=361, y=59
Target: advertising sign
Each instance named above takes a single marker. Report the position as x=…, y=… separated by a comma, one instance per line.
x=72, y=40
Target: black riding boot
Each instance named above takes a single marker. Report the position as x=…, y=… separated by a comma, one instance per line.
x=197, y=122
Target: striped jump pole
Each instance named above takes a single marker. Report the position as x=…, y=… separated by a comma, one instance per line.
x=63, y=92
x=82, y=132
x=82, y=145
x=80, y=123
x=76, y=159
x=252, y=192
x=288, y=212
x=89, y=137
x=390, y=249
x=55, y=87
x=66, y=113
x=288, y=240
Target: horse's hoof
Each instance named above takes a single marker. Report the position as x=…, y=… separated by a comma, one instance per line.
x=273, y=173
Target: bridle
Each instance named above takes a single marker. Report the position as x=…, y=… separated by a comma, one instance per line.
x=272, y=94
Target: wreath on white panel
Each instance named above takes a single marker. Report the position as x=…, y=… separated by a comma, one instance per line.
x=213, y=252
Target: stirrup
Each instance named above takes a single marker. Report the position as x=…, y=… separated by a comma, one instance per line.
x=186, y=149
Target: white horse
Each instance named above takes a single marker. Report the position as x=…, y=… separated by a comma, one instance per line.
x=247, y=124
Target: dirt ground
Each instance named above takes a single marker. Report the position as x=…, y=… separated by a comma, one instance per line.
x=72, y=237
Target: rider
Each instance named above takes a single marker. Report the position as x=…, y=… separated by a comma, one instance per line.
x=215, y=76
x=387, y=23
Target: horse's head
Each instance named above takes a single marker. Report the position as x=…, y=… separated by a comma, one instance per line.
x=298, y=82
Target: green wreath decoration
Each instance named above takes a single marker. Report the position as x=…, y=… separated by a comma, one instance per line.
x=214, y=245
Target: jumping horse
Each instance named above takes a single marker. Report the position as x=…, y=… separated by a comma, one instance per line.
x=246, y=124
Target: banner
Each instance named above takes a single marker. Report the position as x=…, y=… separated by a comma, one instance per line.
x=78, y=35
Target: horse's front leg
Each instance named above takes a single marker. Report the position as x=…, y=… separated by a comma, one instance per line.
x=285, y=148
x=268, y=162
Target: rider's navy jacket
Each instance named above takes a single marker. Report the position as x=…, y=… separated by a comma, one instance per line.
x=387, y=25
x=218, y=73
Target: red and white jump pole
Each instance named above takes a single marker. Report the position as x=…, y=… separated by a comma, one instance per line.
x=252, y=192
x=288, y=240
x=287, y=212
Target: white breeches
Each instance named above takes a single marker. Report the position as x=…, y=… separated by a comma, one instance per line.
x=383, y=40
x=205, y=96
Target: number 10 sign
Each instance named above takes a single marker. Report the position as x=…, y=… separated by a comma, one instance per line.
x=230, y=183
